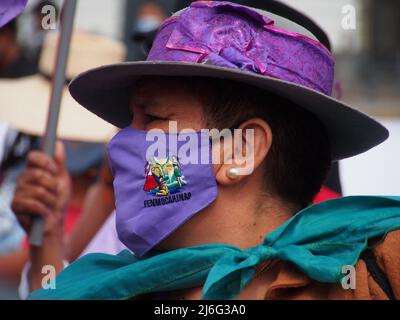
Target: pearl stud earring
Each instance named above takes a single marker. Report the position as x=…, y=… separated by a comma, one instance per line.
x=232, y=173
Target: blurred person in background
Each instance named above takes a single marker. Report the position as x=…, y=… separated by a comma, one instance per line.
x=14, y=147
x=25, y=110
x=92, y=232
x=145, y=25
x=83, y=162
x=149, y=17
x=14, y=60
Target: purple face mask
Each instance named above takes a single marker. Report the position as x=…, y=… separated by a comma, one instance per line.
x=157, y=192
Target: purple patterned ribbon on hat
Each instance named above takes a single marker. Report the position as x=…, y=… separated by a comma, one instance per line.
x=237, y=37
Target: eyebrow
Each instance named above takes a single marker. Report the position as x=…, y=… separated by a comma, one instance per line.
x=151, y=104
x=144, y=102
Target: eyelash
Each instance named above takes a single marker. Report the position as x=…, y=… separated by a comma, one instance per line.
x=151, y=118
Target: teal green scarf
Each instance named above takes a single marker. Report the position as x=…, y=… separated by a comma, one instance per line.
x=319, y=240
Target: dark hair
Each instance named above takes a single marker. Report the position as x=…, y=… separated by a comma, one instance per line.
x=299, y=159
x=10, y=28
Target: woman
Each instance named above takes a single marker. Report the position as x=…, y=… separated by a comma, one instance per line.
x=225, y=66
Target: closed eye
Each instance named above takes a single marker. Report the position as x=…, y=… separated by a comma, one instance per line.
x=152, y=118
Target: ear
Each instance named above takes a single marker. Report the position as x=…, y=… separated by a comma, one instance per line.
x=244, y=152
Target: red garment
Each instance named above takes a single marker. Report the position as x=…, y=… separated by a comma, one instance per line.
x=71, y=217
x=326, y=194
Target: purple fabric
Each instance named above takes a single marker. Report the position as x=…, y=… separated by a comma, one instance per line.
x=9, y=9
x=232, y=36
x=143, y=217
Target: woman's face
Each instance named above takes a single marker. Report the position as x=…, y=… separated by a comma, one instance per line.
x=155, y=103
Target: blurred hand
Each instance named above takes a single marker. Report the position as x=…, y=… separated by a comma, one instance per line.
x=43, y=189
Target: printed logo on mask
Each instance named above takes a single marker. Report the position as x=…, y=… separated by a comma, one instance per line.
x=164, y=179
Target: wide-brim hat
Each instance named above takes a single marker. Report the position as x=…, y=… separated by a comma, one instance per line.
x=233, y=42
x=25, y=101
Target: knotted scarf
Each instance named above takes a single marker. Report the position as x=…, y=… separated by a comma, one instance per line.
x=319, y=240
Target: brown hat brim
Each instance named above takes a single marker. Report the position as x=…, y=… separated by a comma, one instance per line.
x=106, y=91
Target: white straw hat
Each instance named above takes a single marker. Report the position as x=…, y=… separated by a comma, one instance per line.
x=24, y=102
